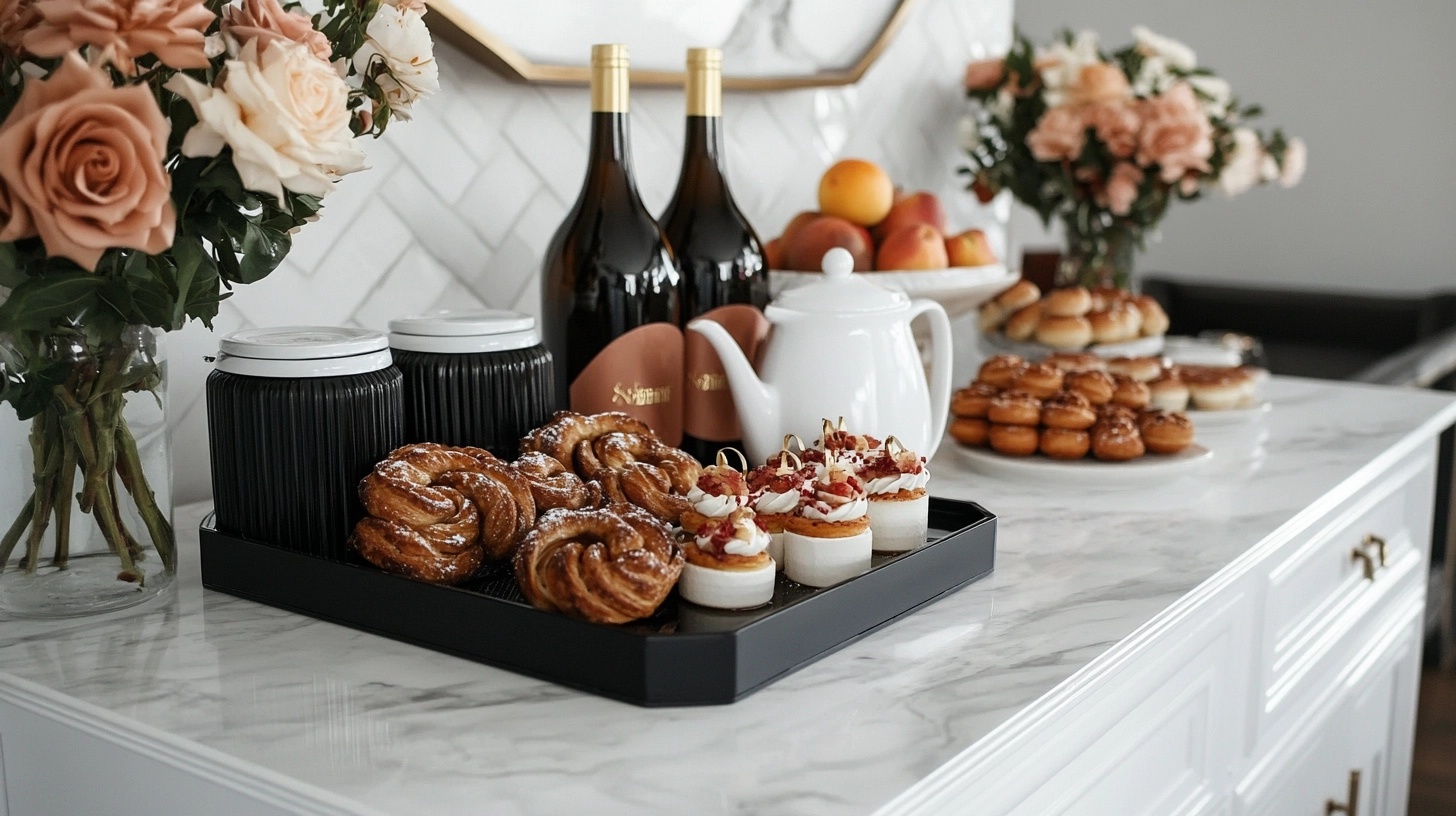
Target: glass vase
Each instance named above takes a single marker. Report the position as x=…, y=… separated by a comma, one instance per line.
x=86, y=483
x=1101, y=260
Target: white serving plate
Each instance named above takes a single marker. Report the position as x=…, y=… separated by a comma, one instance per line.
x=959, y=290
x=1090, y=472
x=1233, y=416
x=998, y=343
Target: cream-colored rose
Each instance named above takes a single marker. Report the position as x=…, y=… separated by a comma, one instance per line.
x=123, y=30
x=1214, y=94
x=284, y=113
x=84, y=159
x=417, y=6
x=1059, y=135
x=1296, y=159
x=1241, y=168
x=1060, y=65
x=1174, y=54
x=266, y=21
x=400, y=57
x=1176, y=135
x=1100, y=83
x=1116, y=126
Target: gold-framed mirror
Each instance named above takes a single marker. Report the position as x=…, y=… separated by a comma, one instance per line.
x=767, y=44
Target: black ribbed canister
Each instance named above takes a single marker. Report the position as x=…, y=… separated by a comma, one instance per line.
x=288, y=452
x=489, y=400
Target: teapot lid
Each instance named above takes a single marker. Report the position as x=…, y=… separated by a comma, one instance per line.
x=841, y=291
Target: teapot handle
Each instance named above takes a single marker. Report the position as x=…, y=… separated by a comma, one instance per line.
x=941, y=349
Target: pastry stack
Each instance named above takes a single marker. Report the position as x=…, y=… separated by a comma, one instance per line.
x=1184, y=387
x=1072, y=318
x=1066, y=407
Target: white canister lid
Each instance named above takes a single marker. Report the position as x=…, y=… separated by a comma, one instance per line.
x=468, y=332
x=303, y=351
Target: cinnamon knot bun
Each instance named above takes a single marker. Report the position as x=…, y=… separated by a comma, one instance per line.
x=638, y=469
x=556, y=487
x=561, y=437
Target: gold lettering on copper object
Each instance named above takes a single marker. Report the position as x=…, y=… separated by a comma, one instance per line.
x=708, y=381
x=636, y=394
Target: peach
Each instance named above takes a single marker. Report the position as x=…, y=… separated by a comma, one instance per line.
x=970, y=248
x=804, y=249
x=916, y=208
x=917, y=246
x=857, y=191
x=796, y=223
x=773, y=254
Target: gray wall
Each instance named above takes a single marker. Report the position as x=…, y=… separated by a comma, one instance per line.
x=1371, y=86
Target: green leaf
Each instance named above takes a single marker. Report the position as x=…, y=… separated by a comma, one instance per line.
x=262, y=251
x=11, y=273
x=188, y=254
x=39, y=302
x=33, y=392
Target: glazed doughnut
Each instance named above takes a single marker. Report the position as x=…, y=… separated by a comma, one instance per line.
x=1130, y=392
x=969, y=431
x=1142, y=369
x=1064, y=443
x=503, y=497
x=1023, y=324
x=1014, y=440
x=1000, y=371
x=1039, y=380
x=991, y=316
x=1116, y=441
x=610, y=565
x=1155, y=320
x=1023, y=293
x=1064, y=332
x=1165, y=432
x=1116, y=323
x=553, y=486
x=973, y=400
x=640, y=470
x=1096, y=386
x=1073, y=301
x=1168, y=393
x=560, y=437
x=1070, y=361
x=1014, y=408
x=1068, y=410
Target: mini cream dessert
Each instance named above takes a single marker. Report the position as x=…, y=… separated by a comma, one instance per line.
x=895, y=480
x=728, y=565
x=719, y=491
x=850, y=449
x=775, y=492
x=830, y=539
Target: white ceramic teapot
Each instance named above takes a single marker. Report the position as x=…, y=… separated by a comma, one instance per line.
x=839, y=347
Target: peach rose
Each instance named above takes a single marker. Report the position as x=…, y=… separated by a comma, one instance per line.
x=1116, y=125
x=123, y=30
x=266, y=21
x=1176, y=134
x=1059, y=135
x=86, y=160
x=16, y=17
x=1099, y=84
x=1121, y=191
x=983, y=75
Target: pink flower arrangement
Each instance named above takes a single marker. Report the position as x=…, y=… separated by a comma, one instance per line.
x=1104, y=142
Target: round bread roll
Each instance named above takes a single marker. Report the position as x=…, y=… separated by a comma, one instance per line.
x=1039, y=380
x=1014, y=408
x=1014, y=440
x=1070, y=361
x=1115, y=324
x=969, y=431
x=1104, y=296
x=1165, y=432
x=1130, y=393
x=1068, y=410
x=1073, y=301
x=1064, y=332
x=1168, y=393
x=1155, y=320
x=1116, y=441
x=991, y=316
x=973, y=400
x=1023, y=293
x=1142, y=369
x=1096, y=386
x=1000, y=371
x=1064, y=443
x=1022, y=325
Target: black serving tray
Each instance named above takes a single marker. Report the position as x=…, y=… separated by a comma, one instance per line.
x=683, y=655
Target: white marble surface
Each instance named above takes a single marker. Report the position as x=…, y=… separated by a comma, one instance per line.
x=409, y=731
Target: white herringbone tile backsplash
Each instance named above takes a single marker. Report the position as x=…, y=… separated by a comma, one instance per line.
x=459, y=204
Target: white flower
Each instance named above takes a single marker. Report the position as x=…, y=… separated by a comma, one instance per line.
x=1172, y=53
x=283, y=112
x=213, y=45
x=1062, y=65
x=1296, y=158
x=1241, y=169
x=1153, y=78
x=1268, y=169
x=1213, y=93
x=397, y=38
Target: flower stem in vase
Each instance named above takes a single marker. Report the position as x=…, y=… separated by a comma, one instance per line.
x=129, y=468
x=46, y=452
x=65, y=492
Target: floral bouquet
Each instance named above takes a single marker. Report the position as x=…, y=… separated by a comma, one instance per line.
x=153, y=154
x=1104, y=143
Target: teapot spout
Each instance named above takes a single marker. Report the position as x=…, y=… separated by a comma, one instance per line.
x=756, y=401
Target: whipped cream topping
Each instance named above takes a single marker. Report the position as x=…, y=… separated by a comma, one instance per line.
x=894, y=484
x=715, y=506
x=777, y=503
x=838, y=495
x=737, y=535
x=849, y=511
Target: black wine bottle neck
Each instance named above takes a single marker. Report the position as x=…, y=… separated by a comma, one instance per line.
x=609, y=166
x=702, y=167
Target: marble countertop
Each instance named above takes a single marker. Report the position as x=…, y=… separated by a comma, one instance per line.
x=404, y=730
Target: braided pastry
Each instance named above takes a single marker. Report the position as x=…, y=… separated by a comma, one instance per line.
x=640, y=470
x=503, y=498
x=610, y=565
x=554, y=486
x=417, y=527
x=560, y=437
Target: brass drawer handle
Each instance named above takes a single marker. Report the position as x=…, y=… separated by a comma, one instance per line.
x=1373, y=540
x=1367, y=564
x=1351, y=803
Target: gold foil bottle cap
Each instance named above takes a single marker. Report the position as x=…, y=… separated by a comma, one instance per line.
x=609, y=64
x=704, y=84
